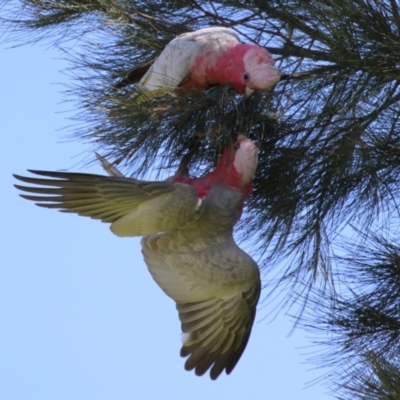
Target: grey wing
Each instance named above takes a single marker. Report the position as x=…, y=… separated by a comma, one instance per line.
x=133, y=207
x=216, y=291
x=173, y=65
x=214, y=38
x=216, y=331
x=108, y=167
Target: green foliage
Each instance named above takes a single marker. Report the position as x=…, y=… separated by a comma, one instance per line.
x=363, y=320
x=380, y=381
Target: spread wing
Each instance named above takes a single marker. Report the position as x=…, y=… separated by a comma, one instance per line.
x=217, y=331
x=133, y=207
x=216, y=288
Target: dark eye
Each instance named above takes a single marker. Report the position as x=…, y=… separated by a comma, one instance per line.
x=246, y=76
x=236, y=146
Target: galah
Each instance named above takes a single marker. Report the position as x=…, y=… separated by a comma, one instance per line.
x=187, y=226
x=200, y=59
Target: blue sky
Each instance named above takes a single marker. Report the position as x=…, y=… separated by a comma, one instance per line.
x=80, y=316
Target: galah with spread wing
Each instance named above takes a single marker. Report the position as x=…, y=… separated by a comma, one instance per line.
x=200, y=59
x=187, y=226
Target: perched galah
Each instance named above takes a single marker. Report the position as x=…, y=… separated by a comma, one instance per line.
x=200, y=59
x=188, y=246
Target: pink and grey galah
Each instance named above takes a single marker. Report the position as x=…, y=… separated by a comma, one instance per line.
x=187, y=227
x=200, y=59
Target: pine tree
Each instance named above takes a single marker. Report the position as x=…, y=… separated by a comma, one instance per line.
x=324, y=210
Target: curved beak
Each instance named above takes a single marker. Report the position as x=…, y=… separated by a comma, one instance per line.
x=248, y=92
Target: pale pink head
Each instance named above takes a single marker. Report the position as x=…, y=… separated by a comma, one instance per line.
x=259, y=70
x=238, y=163
x=246, y=67
x=235, y=169
x=246, y=158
